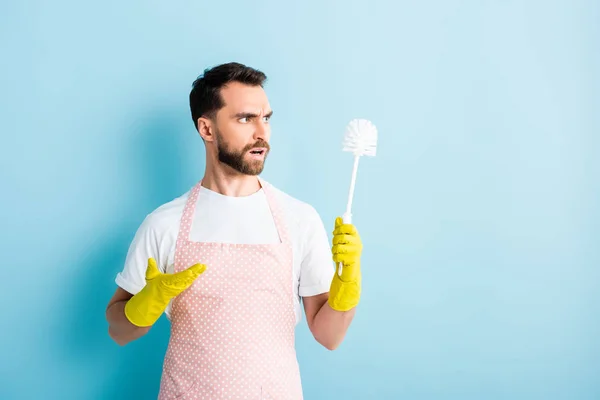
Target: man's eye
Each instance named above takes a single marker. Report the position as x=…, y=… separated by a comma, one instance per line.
x=266, y=119
x=244, y=120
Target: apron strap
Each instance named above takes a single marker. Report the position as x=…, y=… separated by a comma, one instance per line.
x=187, y=217
x=277, y=211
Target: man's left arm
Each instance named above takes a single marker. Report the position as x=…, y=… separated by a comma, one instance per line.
x=329, y=314
x=327, y=325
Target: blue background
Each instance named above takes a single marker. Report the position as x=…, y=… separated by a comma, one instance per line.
x=479, y=214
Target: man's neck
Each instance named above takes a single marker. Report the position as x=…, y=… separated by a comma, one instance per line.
x=228, y=182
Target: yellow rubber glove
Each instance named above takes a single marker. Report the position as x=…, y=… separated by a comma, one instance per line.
x=147, y=306
x=344, y=293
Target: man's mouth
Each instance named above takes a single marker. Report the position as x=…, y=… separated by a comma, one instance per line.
x=258, y=151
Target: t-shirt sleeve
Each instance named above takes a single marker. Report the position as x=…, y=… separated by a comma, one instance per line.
x=147, y=242
x=317, y=268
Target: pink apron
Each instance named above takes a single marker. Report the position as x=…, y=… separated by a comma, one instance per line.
x=232, y=331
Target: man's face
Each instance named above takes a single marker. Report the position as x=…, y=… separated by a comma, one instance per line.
x=242, y=130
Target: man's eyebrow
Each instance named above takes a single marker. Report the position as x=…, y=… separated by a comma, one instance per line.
x=252, y=115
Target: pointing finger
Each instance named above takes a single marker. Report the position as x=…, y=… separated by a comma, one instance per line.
x=197, y=269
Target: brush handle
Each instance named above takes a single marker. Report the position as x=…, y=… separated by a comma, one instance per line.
x=348, y=214
x=347, y=217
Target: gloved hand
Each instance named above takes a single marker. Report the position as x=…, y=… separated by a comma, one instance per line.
x=147, y=306
x=344, y=292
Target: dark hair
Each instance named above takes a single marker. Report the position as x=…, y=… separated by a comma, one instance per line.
x=205, y=97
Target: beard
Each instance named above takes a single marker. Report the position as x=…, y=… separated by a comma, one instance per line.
x=237, y=159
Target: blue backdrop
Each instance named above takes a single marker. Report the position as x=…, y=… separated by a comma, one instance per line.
x=479, y=214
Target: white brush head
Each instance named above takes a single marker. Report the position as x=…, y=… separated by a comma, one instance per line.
x=361, y=138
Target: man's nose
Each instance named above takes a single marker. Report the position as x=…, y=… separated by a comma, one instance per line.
x=261, y=131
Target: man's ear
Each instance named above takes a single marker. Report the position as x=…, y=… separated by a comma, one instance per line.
x=205, y=129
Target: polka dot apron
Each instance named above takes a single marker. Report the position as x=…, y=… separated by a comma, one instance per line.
x=232, y=331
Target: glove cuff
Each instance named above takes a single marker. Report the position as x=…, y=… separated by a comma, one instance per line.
x=142, y=312
x=344, y=296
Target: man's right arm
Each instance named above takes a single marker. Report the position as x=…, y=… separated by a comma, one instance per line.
x=120, y=329
x=130, y=317
x=153, y=238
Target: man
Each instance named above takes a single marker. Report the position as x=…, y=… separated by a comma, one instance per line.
x=230, y=261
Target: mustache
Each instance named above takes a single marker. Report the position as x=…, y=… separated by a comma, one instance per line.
x=259, y=143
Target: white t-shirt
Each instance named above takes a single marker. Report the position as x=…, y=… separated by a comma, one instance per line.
x=242, y=220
